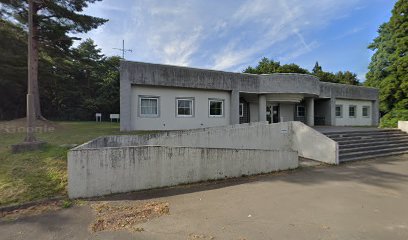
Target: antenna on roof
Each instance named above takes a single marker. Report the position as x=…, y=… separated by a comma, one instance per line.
x=123, y=50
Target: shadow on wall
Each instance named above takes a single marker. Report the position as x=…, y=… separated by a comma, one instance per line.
x=369, y=172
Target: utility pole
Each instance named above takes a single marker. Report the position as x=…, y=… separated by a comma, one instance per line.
x=123, y=50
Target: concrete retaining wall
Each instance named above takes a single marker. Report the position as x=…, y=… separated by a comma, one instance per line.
x=96, y=172
x=257, y=135
x=314, y=145
x=115, y=164
x=403, y=125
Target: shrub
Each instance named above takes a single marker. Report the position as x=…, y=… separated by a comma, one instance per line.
x=390, y=120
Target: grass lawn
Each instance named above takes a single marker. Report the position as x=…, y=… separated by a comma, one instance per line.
x=41, y=174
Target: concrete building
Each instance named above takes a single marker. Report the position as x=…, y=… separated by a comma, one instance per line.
x=163, y=97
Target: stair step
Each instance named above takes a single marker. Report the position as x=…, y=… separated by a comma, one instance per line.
x=359, y=140
x=384, y=146
x=365, y=143
x=372, y=152
x=362, y=132
x=370, y=136
x=371, y=156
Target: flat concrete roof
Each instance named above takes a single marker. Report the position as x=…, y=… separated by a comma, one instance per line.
x=140, y=73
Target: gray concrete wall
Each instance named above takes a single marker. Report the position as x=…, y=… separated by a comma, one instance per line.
x=114, y=164
x=336, y=90
x=287, y=111
x=247, y=136
x=358, y=120
x=259, y=135
x=168, y=120
x=97, y=172
x=314, y=145
x=157, y=75
x=253, y=112
x=174, y=76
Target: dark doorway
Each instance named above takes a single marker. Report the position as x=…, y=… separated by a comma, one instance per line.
x=243, y=111
x=275, y=114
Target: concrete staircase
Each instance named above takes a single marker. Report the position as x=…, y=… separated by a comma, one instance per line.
x=357, y=145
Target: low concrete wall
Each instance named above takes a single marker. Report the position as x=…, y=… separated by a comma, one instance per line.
x=96, y=172
x=314, y=145
x=114, y=164
x=258, y=135
x=403, y=125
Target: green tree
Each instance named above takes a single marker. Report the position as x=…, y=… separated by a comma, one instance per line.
x=326, y=77
x=292, y=68
x=388, y=69
x=317, y=68
x=13, y=70
x=265, y=66
x=108, y=97
x=55, y=22
x=347, y=77
x=268, y=66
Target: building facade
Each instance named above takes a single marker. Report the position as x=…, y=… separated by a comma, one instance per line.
x=163, y=97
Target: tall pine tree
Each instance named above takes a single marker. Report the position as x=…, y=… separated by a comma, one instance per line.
x=388, y=69
x=54, y=23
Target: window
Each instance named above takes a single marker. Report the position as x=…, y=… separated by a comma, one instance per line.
x=339, y=111
x=149, y=106
x=185, y=107
x=352, y=111
x=300, y=110
x=216, y=107
x=366, y=111
x=241, y=109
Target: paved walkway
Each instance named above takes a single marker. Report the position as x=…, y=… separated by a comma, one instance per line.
x=360, y=200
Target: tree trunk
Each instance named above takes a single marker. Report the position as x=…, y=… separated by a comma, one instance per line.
x=35, y=39
x=32, y=73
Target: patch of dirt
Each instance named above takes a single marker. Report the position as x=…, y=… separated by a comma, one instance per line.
x=114, y=216
x=31, y=211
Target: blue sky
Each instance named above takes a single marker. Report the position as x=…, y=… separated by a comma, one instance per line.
x=232, y=34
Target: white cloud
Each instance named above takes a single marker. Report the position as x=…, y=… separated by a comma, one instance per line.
x=222, y=35
x=279, y=21
x=350, y=32
x=361, y=76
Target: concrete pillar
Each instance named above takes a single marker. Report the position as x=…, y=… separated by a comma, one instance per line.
x=234, y=107
x=262, y=108
x=332, y=120
x=375, y=112
x=125, y=99
x=310, y=111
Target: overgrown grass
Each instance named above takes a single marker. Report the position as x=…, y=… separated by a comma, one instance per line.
x=41, y=174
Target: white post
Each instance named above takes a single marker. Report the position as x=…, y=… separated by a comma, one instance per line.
x=262, y=108
x=310, y=111
x=234, y=107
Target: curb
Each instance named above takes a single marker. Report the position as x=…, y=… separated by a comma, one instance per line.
x=30, y=204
